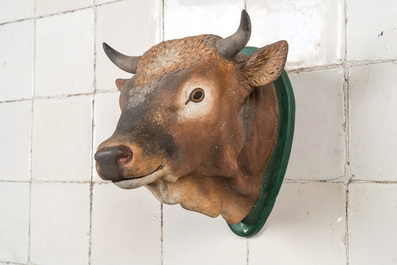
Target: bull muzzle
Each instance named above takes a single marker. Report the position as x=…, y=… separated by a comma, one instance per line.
x=110, y=161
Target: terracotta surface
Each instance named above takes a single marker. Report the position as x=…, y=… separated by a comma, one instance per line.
x=197, y=127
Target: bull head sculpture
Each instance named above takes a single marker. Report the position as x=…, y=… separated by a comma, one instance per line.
x=199, y=123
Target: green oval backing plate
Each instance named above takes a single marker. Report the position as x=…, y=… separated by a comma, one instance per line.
x=273, y=176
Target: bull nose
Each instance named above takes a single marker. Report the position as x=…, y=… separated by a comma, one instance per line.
x=110, y=159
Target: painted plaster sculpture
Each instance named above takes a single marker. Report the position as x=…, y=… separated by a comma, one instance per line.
x=200, y=125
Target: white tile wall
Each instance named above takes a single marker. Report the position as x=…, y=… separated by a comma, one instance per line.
x=60, y=40
x=373, y=101
x=56, y=210
x=14, y=222
x=372, y=30
x=189, y=18
x=46, y=7
x=60, y=223
x=306, y=227
x=313, y=28
x=201, y=239
x=16, y=60
x=15, y=10
x=15, y=140
x=61, y=139
x=120, y=26
x=126, y=226
x=319, y=142
x=372, y=223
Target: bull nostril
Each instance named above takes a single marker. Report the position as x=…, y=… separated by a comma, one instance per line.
x=111, y=158
x=124, y=158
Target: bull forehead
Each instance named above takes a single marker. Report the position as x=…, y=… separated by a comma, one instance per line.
x=137, y=96
x=174, y=55
x=147, y=93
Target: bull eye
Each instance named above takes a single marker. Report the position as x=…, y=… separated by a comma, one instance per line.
x=197, y=95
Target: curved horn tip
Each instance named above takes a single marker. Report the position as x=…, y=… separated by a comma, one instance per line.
x=124, y=62
x=232, y=45
x=105, y=45
x=108, y=49
x=245, y=21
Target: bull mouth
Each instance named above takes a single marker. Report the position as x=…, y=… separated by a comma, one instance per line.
x=135, y=182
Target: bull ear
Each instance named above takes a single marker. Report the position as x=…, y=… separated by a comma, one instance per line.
x=120, y=83
x=266, y=64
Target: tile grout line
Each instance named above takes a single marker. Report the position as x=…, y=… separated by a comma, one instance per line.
x=16, y=21
x=347, y=225
x=307, y=181
x=94, y=10
x=346, y=83
x=31, y=134
x=47, y=15
x=16, y=181
x=348, y=175
x=61, y=96
x=314, y=68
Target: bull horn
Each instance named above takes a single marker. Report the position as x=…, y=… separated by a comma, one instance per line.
x=124, y=62
x=231, y=46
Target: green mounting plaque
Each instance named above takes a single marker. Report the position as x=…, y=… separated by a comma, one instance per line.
x=273, y=176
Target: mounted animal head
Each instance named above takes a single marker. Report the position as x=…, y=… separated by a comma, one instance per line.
x=198, y=122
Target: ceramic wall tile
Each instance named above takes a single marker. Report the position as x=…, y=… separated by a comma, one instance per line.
x=126, y=226
x=15, y=120
x=14, y=10
x=16, y=60
x=14, y=222
x=191, y=18
x=372, y=223
x=307, y=226
x=107, y=114
x=318, y=149
x=64, y=54
x=373, y=138
x=60, y=223
x=371, y=30
x=314, y=29
x=201, y=239
x=62, y=139
x=46, y=7
x=131, y=27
